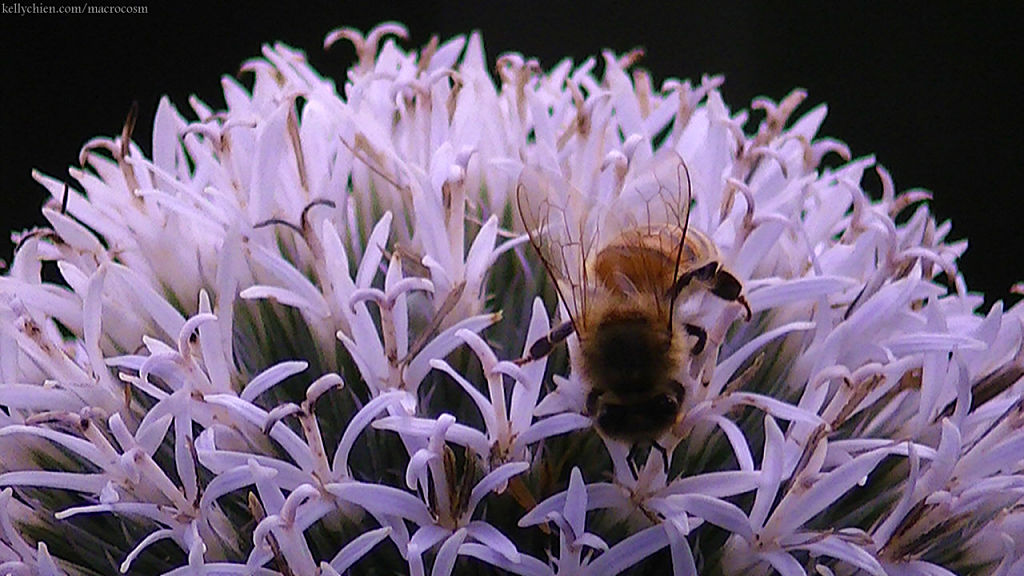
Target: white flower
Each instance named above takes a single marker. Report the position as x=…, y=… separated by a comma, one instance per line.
x=286, y=342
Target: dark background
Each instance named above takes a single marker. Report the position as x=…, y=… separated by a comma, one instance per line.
x=934, y=93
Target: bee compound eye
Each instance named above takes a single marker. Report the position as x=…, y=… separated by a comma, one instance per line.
x=665, y=403
x=680, y=391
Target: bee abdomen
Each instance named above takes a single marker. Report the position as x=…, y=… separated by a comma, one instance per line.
x=627, y=354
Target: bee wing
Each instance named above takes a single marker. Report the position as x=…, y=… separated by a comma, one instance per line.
x=656, y=196
x=653, y=210
x=558, y=220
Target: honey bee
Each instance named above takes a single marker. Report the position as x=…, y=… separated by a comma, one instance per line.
x=620, y=266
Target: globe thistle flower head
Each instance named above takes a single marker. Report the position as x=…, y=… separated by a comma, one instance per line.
x=301, y=338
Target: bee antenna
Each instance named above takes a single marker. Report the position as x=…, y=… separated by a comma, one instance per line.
x=682, y=242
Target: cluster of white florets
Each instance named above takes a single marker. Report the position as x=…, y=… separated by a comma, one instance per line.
x=283, y=343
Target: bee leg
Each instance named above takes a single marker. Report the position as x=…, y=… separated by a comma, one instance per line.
x=631, y=458
x=703, y=274
x=545, y=344
x=701, y=335
x=720, y=282
x=727, y=287
x=664, y=455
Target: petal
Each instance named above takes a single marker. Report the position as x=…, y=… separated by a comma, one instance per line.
x=271, y=377
x=442, y=344
x=444, y=562
x=494, y=480
x=382, y=500
x=553, y=426
x=358, y=548
x=784, y=563
x=836, y=547
x=492, y=538
x=629, y=552
x=797, y=507
x=526, y=566
x=727, y=367
x=683, y=563
x=575, y=512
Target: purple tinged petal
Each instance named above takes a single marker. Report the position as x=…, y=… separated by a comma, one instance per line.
x=382, y=500
x=152, y=431
x=270, y=147
x=776, y=408
x=715, y=484
x=909, y=344
x=442, y=344
x=38, y=398
x=184, y=463
x=629, y=552
x=395, y=286
x=357, y=548
x=479, y=257
x=799, y=506
x=165, y=315
x=479, y=347
x=481, y=401
x=366, y=414
x=552, y=426
x=416, y=471
x=727, y=367
x=526, y=391
x=231, y=480
x=738, y=441
x=494, y=480
x=771, y=472
x=285, y=297
x=426, y=537
x=295, y=446
x=189, y=328
x=166, y=127
x=575, y=511
x=45, y=563
x=221, y=569
x=74, y=234
x=11, y=536
x=683, y=563
x=92, y=312
x=374, y=251
x=840, y=549
x=591, y=541
x=948, y=458
x=718, y=512
x=795, y=290
x=569, y=395
x=155, y=512
x=321, y=386
x=152, y=537
x=599, y=495
x=423, y=427
x=364, y=295
x=87, y=483
x=444, y=562
x=372, y=367
x=624, y=99
x=271, y=377
x=82, y=448
x=526, y=566
x=784, y=563
x=216, y=357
